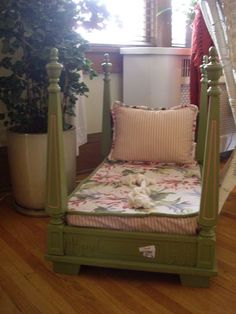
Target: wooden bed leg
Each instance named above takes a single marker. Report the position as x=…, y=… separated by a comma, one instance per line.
x=66, y=268
x=195, y=281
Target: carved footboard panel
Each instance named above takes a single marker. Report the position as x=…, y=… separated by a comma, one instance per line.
x=132, y=250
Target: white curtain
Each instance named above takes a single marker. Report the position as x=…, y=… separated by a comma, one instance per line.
x=79, y=122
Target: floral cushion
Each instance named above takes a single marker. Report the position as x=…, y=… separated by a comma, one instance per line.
x=174, y=190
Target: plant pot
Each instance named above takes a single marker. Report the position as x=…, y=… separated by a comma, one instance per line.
x=27, y=154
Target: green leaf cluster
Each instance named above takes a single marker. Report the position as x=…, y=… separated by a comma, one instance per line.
x=28, y=30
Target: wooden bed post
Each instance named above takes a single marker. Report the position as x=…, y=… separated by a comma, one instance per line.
x=56, y=192
x=211, y=166
x=106, y=119
x=201, y=139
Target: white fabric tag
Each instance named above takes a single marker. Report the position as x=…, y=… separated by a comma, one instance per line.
x=148, y=251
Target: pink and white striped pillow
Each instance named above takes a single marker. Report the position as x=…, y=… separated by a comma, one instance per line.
x=141, y=134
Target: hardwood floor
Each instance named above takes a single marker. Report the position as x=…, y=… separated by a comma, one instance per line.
x=28, y=284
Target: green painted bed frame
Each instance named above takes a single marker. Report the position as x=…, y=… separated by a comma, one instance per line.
x=192, y=257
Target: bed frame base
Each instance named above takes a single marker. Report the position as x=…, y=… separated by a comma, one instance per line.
x=66, y=268
x=195, y=281
x=185, y=279
x=132, y=250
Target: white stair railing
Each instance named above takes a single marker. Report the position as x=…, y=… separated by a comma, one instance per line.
x=220, y=19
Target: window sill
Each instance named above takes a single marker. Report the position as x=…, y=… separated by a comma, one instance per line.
x=114, y=47
x=156, y=51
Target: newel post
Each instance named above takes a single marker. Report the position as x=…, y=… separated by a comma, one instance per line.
x=106, y=118
x=211, y=167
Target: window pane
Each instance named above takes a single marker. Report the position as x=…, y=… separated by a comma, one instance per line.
x=179, y=18
x=132, y=22
x=126, y=24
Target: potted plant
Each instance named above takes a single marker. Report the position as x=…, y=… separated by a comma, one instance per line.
x=28, y=30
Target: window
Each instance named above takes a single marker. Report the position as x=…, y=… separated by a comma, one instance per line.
x=130, y=22
x=133, y=22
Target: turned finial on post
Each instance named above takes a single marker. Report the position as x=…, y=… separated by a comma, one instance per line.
x=106, y=66
x=214, y=71
x=54, y=71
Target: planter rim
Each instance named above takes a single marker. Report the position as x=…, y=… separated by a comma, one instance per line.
x=10, y=131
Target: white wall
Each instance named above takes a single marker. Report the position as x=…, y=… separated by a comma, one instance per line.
x=152, y=76
x=93, y=103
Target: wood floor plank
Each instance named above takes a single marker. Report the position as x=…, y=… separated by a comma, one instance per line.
x=32, y=288
x=22, y=302
x=137, y=300
x=6, y=304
